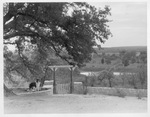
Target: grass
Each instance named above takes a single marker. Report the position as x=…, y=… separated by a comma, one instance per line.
x=96, y=65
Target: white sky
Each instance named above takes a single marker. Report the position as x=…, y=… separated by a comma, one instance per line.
x=129, y=25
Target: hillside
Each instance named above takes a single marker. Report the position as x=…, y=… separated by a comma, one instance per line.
x=118, y=49
x=96, y=65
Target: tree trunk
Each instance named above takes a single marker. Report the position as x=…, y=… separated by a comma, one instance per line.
x=109, y=80
x=85, y=85
x=43, y=79
x=8, y=92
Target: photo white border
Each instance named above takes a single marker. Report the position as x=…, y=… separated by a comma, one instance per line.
x=74, y=115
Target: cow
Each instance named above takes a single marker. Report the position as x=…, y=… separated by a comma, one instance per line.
x=35, y=86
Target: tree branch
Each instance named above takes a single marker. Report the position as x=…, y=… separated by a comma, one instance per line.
x=12, y=43
x=63, y=58
x=10, y=13
x=14, y=34
x=33, y=17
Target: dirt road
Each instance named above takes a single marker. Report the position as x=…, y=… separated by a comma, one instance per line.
x=69, y=103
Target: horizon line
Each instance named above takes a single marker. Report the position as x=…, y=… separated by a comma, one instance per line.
x=121, y=46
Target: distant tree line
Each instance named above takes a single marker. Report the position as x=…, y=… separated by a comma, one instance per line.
x=126, y=57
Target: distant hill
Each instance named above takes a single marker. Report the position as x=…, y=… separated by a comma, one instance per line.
x=118, y=49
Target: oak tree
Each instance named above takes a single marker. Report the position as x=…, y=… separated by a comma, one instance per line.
x=70, y=27
x=70, y=30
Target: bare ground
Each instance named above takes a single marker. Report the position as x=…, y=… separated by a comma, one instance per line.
x=70, y=103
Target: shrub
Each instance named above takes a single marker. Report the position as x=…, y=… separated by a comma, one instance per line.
x=139, y=96
x=142, y=76
x=120, y=93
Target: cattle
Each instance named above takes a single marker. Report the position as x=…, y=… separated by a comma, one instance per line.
x=35, y=86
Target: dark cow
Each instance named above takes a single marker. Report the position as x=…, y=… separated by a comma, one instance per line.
x=33, y=86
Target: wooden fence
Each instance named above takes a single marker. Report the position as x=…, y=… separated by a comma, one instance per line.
x=79, y=89
x=65, y=88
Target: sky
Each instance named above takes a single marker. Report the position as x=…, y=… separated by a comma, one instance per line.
x=129, y=25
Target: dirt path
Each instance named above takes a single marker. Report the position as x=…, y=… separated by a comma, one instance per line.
x=44, y=103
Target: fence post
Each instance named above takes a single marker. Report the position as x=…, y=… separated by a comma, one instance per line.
x=85, y=85
x=54, y=82
x=71, y=81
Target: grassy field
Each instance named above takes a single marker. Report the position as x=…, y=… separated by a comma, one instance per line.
x=96, y=65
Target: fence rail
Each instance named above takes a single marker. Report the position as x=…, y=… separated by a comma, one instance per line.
x=65, y=88
x=79, y=89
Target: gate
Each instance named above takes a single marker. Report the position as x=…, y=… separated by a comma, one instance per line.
x=65, y=88
x=54, y=68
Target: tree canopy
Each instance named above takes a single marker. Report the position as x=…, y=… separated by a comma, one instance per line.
x=69, y=29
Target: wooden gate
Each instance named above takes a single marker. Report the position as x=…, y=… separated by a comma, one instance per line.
x=65, y=88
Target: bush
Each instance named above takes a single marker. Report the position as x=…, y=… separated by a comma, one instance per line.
x=139, y=96
x=125, y=62
x=120, y=93
x=142, y=76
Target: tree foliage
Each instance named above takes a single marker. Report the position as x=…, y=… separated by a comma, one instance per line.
x=128, y=57
x=143, y=57
x=69, y=27
x=107, y=74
